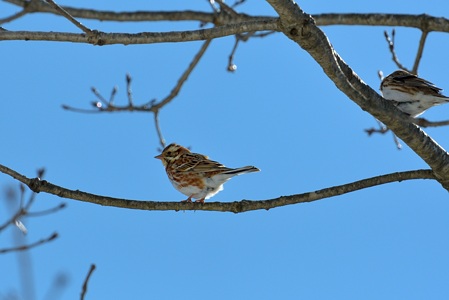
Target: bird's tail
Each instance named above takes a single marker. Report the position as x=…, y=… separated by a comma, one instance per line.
x=242, y=170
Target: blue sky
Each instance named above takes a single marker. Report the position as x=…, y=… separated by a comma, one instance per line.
x=278, y=112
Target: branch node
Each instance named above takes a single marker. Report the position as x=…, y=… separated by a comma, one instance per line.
x=35, y=184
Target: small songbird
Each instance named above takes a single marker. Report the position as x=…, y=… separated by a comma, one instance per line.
x=194, y=174
x=411, y=94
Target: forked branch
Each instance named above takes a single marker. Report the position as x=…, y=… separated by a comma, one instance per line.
x=153, y=106
x=391, y=46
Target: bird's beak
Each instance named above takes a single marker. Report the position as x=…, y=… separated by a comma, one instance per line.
x=158, y=156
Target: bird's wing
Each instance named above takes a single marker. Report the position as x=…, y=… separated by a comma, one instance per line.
x=198, y=163
x=422, y=84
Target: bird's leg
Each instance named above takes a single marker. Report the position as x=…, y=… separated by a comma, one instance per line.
x=199, y=200
x=188, y=200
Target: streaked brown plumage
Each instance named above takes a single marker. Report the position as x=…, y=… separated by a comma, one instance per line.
x=411, y=94
x=195, y=175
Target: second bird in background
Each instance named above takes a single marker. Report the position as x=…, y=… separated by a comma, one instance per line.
x=411, y=94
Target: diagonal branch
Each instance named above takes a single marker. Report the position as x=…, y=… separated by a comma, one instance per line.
x=108, y=106
x=86, y=280
x=174, y=92
x=64, y=13
x=37, y=185
x=13, y=17
x=32, y=245
x=391, y=47
x=301, y=28
x=422, y=42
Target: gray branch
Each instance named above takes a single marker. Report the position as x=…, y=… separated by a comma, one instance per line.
x=103, y=38
x=301, y=28
x=37, y=185
x=423, y=21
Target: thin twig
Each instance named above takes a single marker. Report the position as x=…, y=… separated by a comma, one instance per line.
x=128, y=90
x=424, y=123
x=380, y=74
x=382, y=130
x=214, y=7
x=64, y=13
x=104, y=106
x=391, y=46
x=422, y=42
x=27, y=247
x=231, y=66
x=174, y=92
x=158, y=129
x=99, y=96
x=235, y=207
x=226, y=8
x=16, y=216
x=86, y=280
x=100, y=107
x=22, y=195
x=396, y=141
x=237, y=3
x=243, y=37
x=14, y=16
x=82, y=110
x=47, y=211
x=113, y=93
x=23, y=208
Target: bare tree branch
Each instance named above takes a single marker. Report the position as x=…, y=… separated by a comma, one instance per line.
x=17, y=215
x=129, y=92
x=37, y=185
x=86, y=280
x=391, y=47
x=422, y=42
x=243, y=37
x=13, y=16
x=47, y=211
x=231, y=25
x=231, y=66
x=301, y=28
x=183, y=78
x=102, y=38
x=23, y=208
x=137, y=16
x=424, y=123
x=152, y=106
x=382, y=130
x=404, y=20
x=27, y=247
x=108, y=106
x=158, y=129
x=64, y=13
x=422, y=21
